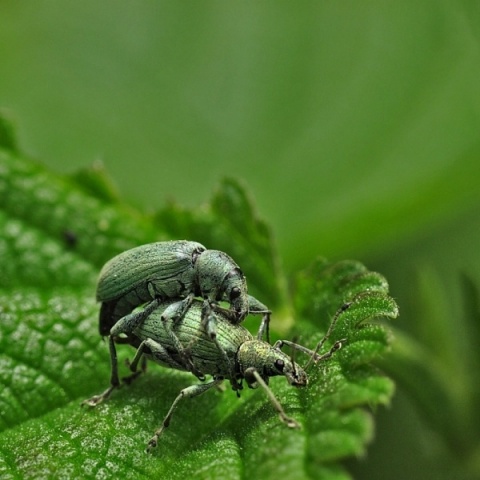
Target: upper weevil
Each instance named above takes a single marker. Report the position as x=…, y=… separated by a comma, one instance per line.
x=175, y=269
x=253, y=360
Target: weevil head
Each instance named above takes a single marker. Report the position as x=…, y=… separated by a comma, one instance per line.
x=220, y=278
x=269, y=362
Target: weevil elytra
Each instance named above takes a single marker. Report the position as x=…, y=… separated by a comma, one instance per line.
x=254, y=360
x=176, y=269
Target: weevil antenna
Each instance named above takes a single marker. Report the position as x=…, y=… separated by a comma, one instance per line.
x=320, y=344
x=292, y=356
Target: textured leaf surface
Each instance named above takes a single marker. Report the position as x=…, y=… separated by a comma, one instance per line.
x=56, y=233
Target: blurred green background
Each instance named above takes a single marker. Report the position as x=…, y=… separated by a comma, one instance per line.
x=355, y=125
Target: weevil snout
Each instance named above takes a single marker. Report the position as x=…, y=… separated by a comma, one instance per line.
x=235, y=288
x=220, y=278
x=297, y=377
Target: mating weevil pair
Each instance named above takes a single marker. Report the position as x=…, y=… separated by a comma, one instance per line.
x=161, y=326
x=176, y=269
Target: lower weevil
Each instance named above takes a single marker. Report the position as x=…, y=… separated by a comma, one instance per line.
x=254, y=360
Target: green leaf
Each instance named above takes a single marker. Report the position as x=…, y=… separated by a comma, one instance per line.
x=230, y=223
x=95, y=180
x=440, y=367
x=41, y=203
x=57, y=232
x=7, y=132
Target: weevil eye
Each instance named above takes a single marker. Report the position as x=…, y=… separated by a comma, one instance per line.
x=235, y=293
x=279, y=364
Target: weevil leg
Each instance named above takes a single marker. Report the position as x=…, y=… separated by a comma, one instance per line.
x=133, y=365
x=143, y=368
x=125, y=325
x=114, y=380
x=144, y=365
x=231, y=315
x=138, y=356
x=255, y=307
x=209, y=320
x=159, y=353
x=264, y=330
x=189, y=392
x=172, y=315
x=128, y=323
x=252, y=374
x=209, y=325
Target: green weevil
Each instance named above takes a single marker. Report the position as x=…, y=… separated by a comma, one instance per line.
x=175, y=269
x=253, y=360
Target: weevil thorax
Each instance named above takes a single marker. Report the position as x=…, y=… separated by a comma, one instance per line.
x=220, y=278
x=269, y=362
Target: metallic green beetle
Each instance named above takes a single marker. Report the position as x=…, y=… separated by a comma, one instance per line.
x=253, y=360
x=175, y=269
